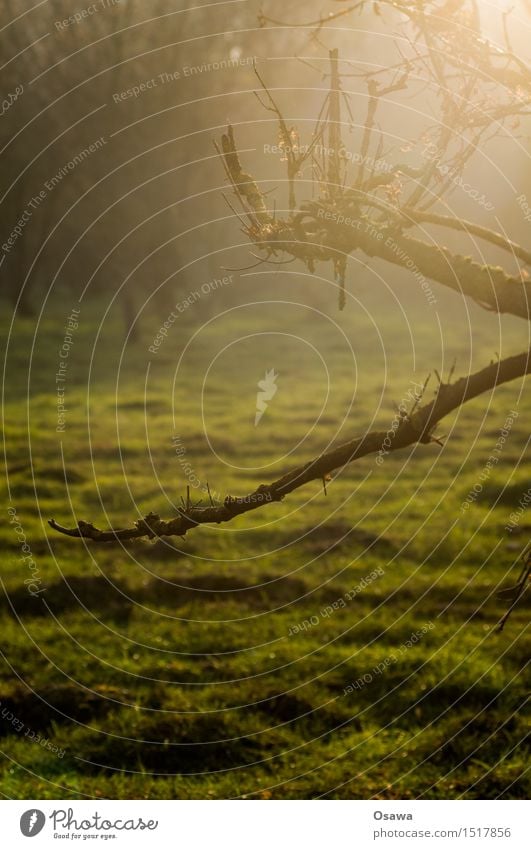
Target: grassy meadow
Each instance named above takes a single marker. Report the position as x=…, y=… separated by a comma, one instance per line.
x=219, y=665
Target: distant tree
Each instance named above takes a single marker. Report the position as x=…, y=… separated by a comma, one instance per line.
x=61, y=67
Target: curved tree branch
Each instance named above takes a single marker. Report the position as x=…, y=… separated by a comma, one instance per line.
x=469, y=227
x=488, y=285
x=416, y=427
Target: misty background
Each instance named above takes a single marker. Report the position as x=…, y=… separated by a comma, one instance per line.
x=141, y=220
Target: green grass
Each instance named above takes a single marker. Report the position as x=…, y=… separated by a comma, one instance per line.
x=167, y=669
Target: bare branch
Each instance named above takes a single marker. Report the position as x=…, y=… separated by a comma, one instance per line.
x=319, y=22
x=520, y=588
x=474, y=229
x=418, y=426
x=244, y=185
